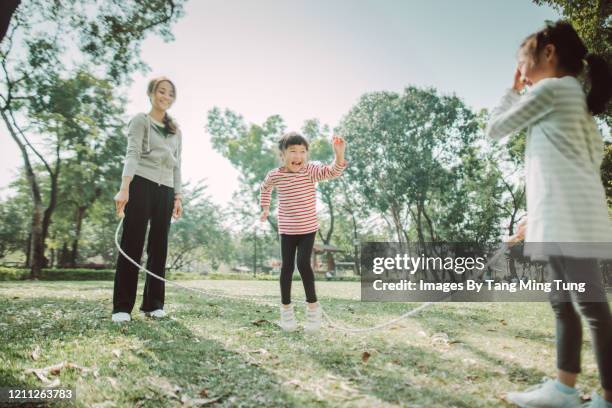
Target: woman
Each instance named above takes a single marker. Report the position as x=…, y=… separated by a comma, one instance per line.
x=150, y=192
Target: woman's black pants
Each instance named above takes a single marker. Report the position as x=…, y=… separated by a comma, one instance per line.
x=151, y=203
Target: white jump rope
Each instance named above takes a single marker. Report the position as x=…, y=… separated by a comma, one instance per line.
x=499, y=252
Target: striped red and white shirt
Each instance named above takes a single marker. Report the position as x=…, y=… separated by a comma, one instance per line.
x=297, y=196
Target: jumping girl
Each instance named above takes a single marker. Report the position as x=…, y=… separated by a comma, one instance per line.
x=150, y=193
x=295, y=184
x=565, y=198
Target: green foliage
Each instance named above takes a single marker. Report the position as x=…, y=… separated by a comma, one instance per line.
x=414, y=158
x=54, y=63
x=199, y=234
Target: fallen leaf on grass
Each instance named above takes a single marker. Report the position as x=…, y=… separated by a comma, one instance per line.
x=36, y=353
x=105, y=404
x=294, y=382
x=469, y=361
x=365, y=356
x=42, y=373
x=163, y=385
x=440, y=340
x=260, y=322
x=199, y=402
x=259, y=351
x=112, y=381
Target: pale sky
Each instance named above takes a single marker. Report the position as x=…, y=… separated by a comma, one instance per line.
x=314, y=59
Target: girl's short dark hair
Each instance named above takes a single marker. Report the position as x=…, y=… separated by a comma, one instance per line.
x=573, y=55
x=291, y=139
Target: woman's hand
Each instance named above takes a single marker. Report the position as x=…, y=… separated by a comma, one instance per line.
x=121, y=199
x=178, y=208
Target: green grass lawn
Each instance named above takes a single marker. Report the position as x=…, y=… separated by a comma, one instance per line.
x=218, y=352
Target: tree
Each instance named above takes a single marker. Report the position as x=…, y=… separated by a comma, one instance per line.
x=251, y=149
x=33, y=64
x=13, y=224
x=199, y=233
x=415, y=161
x=411, y=156
x=320, y=149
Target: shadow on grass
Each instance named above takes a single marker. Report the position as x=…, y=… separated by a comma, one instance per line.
x=80, y=331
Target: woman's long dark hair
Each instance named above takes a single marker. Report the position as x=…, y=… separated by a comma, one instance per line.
x=572, y=55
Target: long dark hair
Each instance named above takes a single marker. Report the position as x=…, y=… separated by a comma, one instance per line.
x=169, y=123
x=572, y=55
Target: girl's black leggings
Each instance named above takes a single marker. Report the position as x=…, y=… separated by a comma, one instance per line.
x=302, y=244
x=595, y=309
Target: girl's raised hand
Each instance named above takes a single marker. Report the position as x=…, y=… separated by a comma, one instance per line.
x=339, y=145
x=519, y=81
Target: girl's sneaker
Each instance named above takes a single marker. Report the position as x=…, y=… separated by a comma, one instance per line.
x=545, y=395
x=313, y=319
x=596, y=402
x=287, y=318
x=121, y=317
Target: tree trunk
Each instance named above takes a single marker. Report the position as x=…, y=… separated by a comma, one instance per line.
x=74, y=253
x=27, y=251
x=37, y=246
x=356, y=255
x=10, y=6
x=54, y=175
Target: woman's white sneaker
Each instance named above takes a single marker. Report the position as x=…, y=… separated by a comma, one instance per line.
x=157, y=314
x=121, y=317
x=287, y=318
x=313, y=319
x=545, y=395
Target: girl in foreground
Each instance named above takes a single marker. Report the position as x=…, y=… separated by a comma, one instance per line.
x=565, y=198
